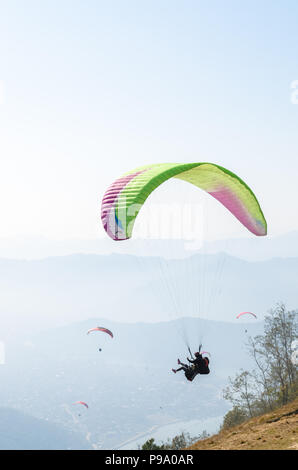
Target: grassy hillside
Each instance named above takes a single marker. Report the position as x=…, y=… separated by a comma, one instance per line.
x=275, y=430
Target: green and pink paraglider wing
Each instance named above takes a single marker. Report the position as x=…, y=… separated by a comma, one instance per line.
x=125, y=197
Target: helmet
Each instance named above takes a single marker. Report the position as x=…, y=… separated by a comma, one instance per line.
x=197, y=354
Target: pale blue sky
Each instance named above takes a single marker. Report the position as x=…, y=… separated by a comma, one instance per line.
x=95, y=88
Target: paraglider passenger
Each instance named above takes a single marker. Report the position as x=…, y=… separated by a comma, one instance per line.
x=199, y=365
x=189, y=371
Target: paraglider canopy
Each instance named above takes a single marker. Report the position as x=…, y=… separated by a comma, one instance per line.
x=125, y=197
x=246, y=313
x=81, y=403
x=100, y=328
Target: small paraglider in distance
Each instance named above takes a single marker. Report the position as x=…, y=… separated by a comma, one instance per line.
x=245, y=313
x=81, y=403
x=104, y=330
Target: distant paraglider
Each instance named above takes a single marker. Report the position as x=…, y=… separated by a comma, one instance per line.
x=81, y=403
x=245, y=313
x=104, y=330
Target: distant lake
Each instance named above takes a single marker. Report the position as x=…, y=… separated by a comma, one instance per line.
x=163, y=433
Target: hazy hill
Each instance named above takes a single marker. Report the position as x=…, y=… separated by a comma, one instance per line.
x=277, y=430
x=251, y=248
x=56, y=291
x=20, y=431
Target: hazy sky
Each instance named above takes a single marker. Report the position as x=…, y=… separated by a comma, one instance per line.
x=90, y=89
